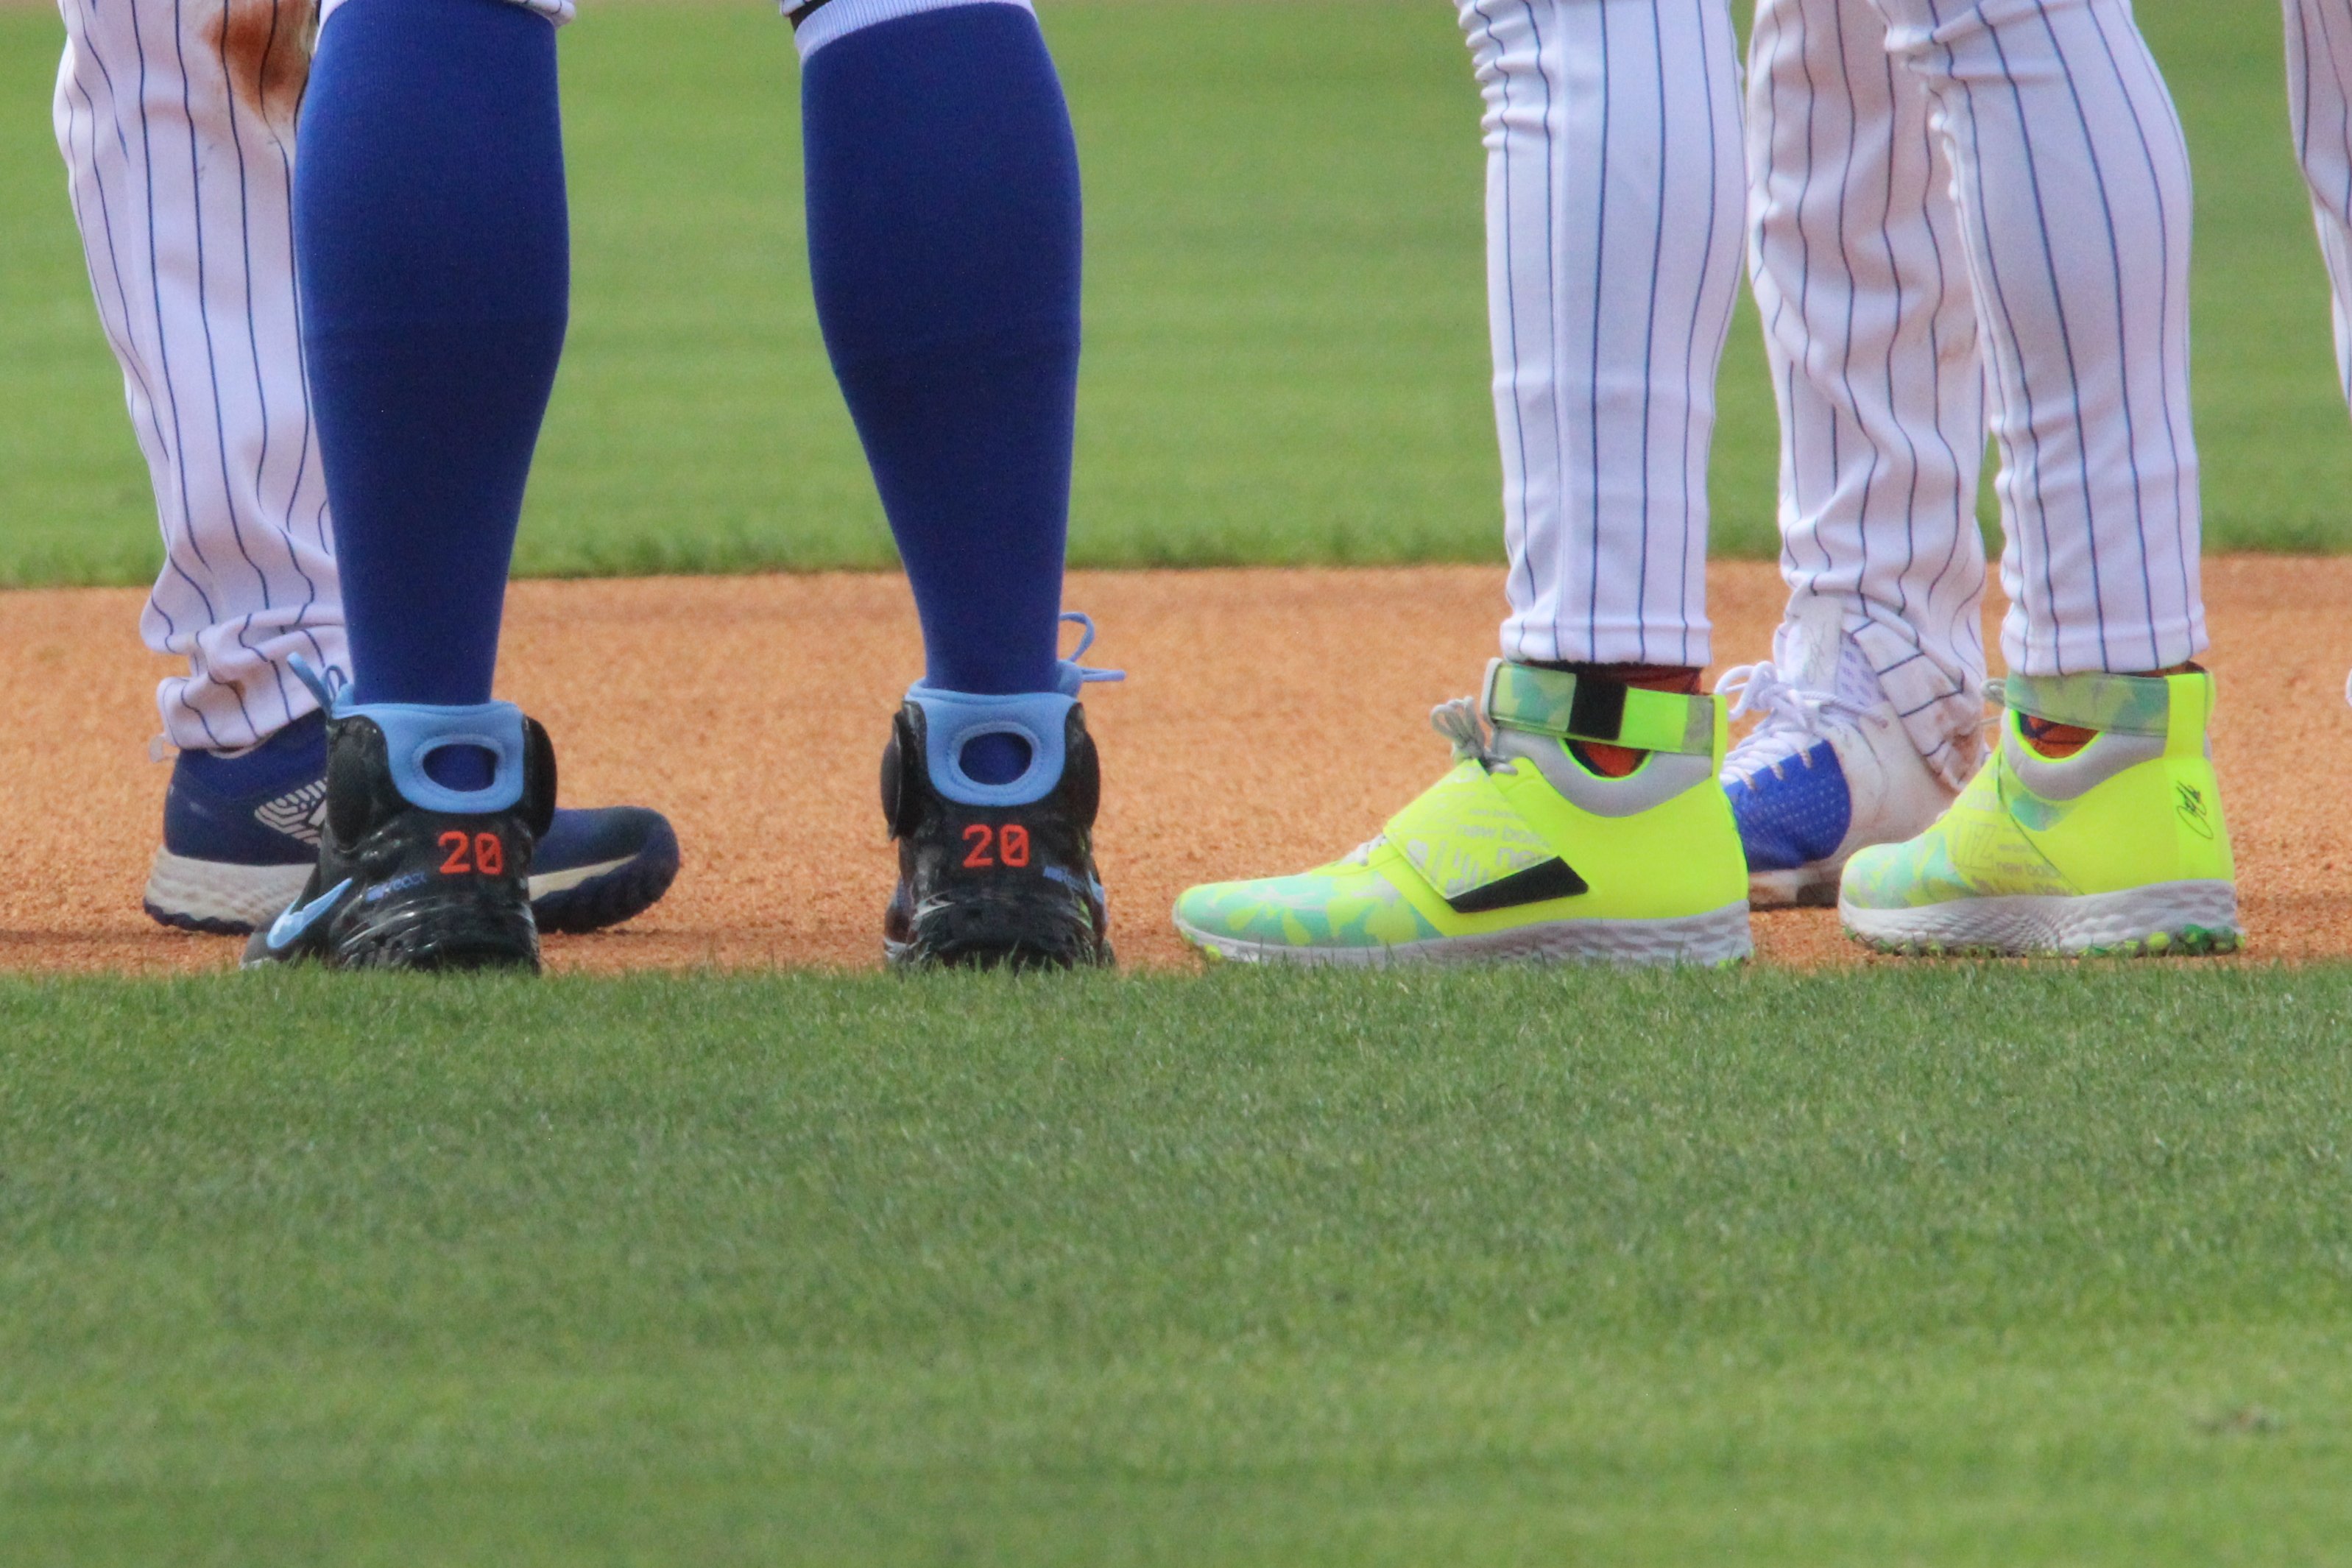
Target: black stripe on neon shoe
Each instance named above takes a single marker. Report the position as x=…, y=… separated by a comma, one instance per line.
x=1553, y=879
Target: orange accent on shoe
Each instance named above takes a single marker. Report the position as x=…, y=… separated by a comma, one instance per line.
x=2055, y=741
x=2059, y=741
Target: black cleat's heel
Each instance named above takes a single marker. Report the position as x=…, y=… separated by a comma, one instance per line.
x=997, y=931
x=993, y=887
x=437, y=930
x=401, y=886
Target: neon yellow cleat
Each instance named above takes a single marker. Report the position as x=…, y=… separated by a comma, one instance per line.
x=1522, y=852
x=2120, y=849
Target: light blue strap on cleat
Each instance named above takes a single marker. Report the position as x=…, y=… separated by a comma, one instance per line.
x=414, y=732
x=953, y=719
x=1040, y=720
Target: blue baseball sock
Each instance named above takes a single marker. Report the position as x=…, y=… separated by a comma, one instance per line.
x=944, y=239
x=434, y=255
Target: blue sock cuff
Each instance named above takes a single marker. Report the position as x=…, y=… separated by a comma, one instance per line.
x=413, y=732
x=953, y=719
x=817, y=23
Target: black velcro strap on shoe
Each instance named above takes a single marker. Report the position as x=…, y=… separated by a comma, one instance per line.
x=1597, y=710
x=1537, y=885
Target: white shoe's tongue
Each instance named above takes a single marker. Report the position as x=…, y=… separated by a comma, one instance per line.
x=1812, y=651
x=1807, y=646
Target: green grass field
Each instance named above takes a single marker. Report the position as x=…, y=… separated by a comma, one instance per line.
x=1286, y=357
x=1946, y=1266
x=1959, y=1266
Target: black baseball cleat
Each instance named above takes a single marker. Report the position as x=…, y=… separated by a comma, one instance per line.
x=241, y=838
x=412, y=874
x=994, y=876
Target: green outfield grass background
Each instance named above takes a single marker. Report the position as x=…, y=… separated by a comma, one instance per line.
x=1286, y=359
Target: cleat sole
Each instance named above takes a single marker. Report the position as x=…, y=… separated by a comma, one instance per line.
x=986, y=933
x=1717, y=937
x=220, y=898
x=2164, y=919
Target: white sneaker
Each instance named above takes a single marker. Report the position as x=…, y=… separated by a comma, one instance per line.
x=1828, y=771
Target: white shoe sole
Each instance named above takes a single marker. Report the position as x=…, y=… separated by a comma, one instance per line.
x=1719, y=936
x=2186, y=918
x=230, y=900
x=218, y=895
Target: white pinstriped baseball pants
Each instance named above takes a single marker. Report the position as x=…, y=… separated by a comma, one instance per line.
x=1940, y=182
x=177, y=127
x=1614, y=212
x=2319, y=99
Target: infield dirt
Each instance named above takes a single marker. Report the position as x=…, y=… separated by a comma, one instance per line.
x=1271, y=719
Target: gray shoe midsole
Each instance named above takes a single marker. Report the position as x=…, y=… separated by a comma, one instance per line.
x=2024, y=923
x=1718, y=936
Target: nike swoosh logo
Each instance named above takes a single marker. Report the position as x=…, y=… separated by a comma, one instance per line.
x=287, y=929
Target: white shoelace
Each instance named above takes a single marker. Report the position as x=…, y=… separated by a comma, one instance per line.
x=1465, y=728
x=1793, y=718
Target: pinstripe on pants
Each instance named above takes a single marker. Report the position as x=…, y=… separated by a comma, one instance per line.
x=2067, y=204
x=177, y=125
x=1613, y=206
x=2319, y=99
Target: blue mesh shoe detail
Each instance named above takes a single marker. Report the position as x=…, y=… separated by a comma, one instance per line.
x=261, y=806
x=1794, y=812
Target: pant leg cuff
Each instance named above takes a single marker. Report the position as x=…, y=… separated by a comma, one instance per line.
x=817, y=23
x=1939, y=699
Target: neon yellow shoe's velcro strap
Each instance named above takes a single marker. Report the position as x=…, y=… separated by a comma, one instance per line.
x=1569, y=707
x=2119, y=704
x=1463, y=836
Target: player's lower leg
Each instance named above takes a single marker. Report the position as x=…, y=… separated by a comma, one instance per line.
x=431, y=246
x=944, y=242
x=1870, y=706
x=2071, y=180
x=1588, y=824
x=2319, y=102
x=2072, y=184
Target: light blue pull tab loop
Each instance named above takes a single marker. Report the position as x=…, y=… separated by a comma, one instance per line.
x=1070, y=675
x=413, y=734
x=327, y=685
x=1039, y=721
x=953, y=719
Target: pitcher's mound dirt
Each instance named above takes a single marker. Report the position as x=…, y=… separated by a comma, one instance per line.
x=1271, y=719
